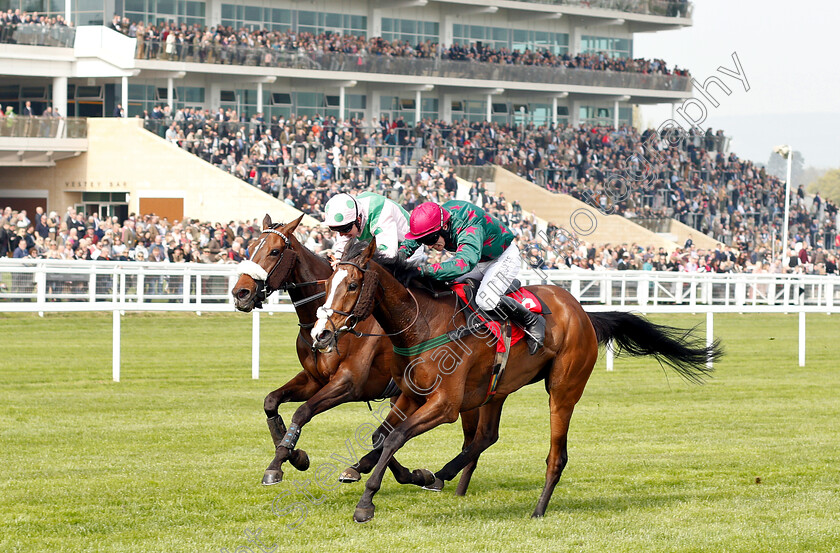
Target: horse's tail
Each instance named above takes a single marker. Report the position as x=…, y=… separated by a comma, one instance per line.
x=678, y=348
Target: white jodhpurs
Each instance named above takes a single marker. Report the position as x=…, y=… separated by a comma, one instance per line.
x=495, y=277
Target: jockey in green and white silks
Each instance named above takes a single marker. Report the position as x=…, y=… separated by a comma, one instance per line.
x=366, y=216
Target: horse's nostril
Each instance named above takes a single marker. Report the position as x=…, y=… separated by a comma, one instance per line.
x=242, y=294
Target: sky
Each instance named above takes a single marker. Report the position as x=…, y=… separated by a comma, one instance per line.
x=788, y=54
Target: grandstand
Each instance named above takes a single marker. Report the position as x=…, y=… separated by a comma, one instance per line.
x=510, y=63
x=292, y=103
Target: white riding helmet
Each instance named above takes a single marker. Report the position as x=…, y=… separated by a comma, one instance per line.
x=341, y=210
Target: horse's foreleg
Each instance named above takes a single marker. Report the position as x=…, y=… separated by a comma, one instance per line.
x=299, y=388
x=469, y=425
x=337, y=391
x=428, y=416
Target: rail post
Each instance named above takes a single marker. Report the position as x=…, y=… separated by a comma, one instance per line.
x=115, y=368
x=255, y=345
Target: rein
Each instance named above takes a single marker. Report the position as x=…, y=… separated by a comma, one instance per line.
x=352, y=329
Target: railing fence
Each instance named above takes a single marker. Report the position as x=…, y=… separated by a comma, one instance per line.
x=41, y=286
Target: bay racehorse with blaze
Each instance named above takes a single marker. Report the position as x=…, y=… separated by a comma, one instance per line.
x=344, y=371
x=433, y=395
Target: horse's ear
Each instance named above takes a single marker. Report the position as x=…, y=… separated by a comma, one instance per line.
x=289, y=228
x=367, y=255
x=267, y=221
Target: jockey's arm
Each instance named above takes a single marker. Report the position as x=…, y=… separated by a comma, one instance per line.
x=384, y=229
x=339, y=244
x=467, y=255
x=408, y=247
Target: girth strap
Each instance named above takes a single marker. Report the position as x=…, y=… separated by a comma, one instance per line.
x=423, y=346
x=500, y=363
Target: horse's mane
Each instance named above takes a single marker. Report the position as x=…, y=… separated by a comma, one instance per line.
x=321, y=257
x=396, y=266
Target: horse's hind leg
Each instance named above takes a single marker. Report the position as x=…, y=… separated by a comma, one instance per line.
x=565, y=385
x=558, y=455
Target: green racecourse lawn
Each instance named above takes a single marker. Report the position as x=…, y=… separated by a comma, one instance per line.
x=170, y=459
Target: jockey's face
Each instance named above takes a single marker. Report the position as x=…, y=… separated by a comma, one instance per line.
x=352, y=233
x=439, y=245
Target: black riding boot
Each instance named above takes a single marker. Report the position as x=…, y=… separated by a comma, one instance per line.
x=532, y=323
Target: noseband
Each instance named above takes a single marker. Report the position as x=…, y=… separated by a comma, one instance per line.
x=286, y=263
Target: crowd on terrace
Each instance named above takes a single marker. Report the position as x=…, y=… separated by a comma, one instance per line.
x=218, y=44
x=302, y=160
x=152, y=238
x=10, y=19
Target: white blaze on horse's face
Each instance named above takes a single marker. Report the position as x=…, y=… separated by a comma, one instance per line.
x=325, y=311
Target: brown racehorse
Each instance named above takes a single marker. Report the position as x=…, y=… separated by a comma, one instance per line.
x=442, y=381
x=355, y=370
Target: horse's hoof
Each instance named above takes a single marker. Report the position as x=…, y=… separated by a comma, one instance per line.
x=272, y=477
x=299, y=459
x=349, y=476
x=363, y=514
x=423, y=477
x=436, y=486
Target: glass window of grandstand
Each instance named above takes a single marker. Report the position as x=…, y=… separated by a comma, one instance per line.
x=88, y=12
x=613, y=47
x=143, y=98
x=392, y=107
x=492, y=37
x=471, y=110
x=277, y=19
x=429, y=109
x=309, y=104
x=255, y=17
x=410, y=31
x=326, y=22
x=602, y=116
x=556, y=43
x=355, y=106
x=48, y=8
x=246, y=103
x=512, y=39
x=531, y=114
x=155, y=12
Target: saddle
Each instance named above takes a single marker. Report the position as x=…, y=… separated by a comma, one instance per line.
x=493, y=321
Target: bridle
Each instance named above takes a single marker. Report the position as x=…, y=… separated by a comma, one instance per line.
x=264, y=289
x=355, y=316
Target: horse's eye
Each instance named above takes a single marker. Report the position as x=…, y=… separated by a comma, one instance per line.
x=352, y=286
x=275, y=252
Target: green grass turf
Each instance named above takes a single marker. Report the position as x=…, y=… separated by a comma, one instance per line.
x=170, y=459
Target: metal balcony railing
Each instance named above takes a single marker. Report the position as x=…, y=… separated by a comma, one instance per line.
x=667, y=8
x=43, y=127
x=38, y=35
x=410, y=66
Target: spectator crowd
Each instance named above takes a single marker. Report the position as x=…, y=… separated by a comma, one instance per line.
x=155, y=239
x=303, y=160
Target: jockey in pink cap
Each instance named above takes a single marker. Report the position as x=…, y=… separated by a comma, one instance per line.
x=483, y=249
